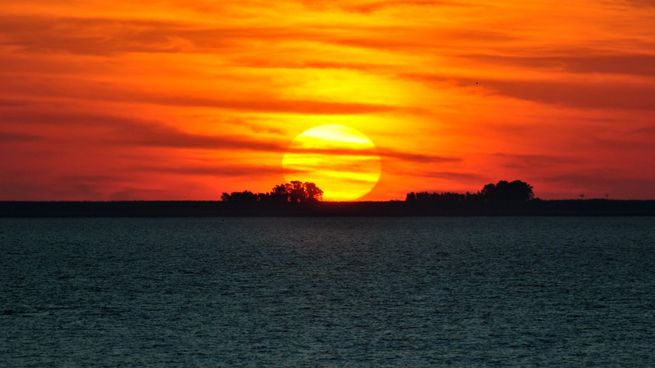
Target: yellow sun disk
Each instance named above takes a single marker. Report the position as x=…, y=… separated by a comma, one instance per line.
x=329, y=156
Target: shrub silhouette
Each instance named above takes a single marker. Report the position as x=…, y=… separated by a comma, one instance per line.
x=240, y=197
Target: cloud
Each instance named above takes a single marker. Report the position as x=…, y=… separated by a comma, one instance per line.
x=163, y=136
x=415, y=157
x=215, y=170
x=10, y=103
x=375, y=6
x=111, y=36
x=533, y=162
x=267, y=63
x=630, y=3
x=85, y=35
x=454, y=176
x=88, y=90
x=602, y=95
x=642, y=144
x=19, y=118
x=270, y=105
x=578, y=62
x=10, y=137
x=399, y=38
x=123, y=130
x=584, y=95
x=128, y=131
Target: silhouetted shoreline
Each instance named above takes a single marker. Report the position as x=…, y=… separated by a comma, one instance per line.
x=589, y=207
x=298, y=199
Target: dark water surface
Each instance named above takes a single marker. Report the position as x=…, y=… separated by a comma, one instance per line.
x=327, y=292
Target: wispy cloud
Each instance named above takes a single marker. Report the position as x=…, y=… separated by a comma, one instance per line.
x=579, y=61
x=127, y=131
x=534, y=162
x=248, y=171
x=10, y=137
x=589, y=94
x=87, y=90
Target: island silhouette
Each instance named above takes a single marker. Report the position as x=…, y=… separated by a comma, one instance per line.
x=296, y=198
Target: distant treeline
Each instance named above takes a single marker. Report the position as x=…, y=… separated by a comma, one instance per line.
x=295, y=192
x=514, y=192
x=299, y=193
x=504, y=198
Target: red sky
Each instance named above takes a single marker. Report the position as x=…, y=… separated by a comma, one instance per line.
x=182, y=99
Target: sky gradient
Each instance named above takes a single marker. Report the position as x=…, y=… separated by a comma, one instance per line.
x=180, y=99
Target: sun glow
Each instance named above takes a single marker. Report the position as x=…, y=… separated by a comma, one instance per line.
x=340, y=160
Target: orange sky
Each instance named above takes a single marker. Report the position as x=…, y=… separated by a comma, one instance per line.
x=185, y=99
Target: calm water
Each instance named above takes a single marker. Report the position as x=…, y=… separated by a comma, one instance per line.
x=328, y=292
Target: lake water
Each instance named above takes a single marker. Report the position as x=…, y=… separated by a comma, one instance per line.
x=327, y=292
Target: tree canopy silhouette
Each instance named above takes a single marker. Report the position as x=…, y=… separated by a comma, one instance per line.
x=294, y=192
x=516, y=191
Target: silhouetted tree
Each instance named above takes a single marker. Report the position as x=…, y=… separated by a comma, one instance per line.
x=296, y=192
x=299, y=192
x=313, y=192
x=504, y=191
x=279, y=194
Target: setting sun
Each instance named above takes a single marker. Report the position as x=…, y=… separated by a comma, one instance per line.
x=340, y=160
